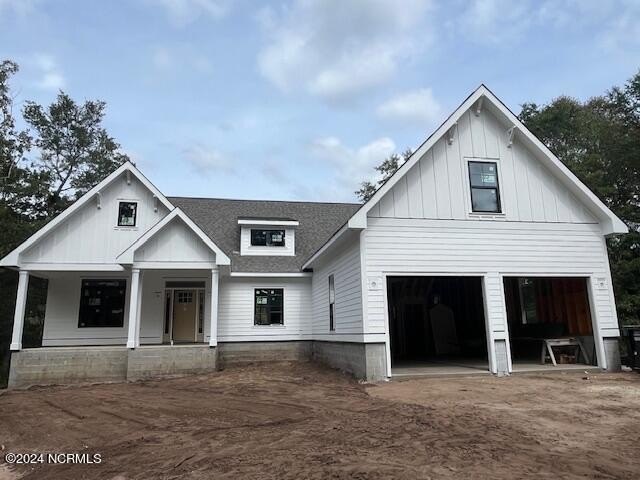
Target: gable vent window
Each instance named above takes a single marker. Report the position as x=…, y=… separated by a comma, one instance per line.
x=267, y=238
x=485, y=192
x=127, y=214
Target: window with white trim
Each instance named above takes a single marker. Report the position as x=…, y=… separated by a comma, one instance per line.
x=102, y=303
x=267, y=238
x=269, y=306
x=127, y=212
x=332, y=303
x=485, y=191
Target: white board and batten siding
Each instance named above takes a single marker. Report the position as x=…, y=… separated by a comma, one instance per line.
x=91, y=235
x=438, y=185
x=176, y=242
x=345, y=266
x=236, y=307
x=424, y=225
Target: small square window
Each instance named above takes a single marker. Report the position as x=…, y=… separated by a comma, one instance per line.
x=127, y=214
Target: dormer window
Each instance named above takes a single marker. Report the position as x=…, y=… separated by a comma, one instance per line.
x=127, y=214
x=267, y=238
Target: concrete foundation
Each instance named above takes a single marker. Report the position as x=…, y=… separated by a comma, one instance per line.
x=362, y=360
x=612, y=353
x=502, y=358
x=53, y=365
x=238, y=353
x=159, y=361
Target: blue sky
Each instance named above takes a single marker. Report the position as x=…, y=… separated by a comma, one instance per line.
x=298, y=100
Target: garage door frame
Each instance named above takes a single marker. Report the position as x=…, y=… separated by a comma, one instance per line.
x=601, y=360
x=491, y=354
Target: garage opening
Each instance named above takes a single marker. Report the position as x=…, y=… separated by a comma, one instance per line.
x=549, y=323
x=436, y=325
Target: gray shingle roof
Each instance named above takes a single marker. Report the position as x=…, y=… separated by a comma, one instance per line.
x=218, y=218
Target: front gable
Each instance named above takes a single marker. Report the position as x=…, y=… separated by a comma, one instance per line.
x=536, y=185
x=87, y=235
x=173, y=242
x=437, y=186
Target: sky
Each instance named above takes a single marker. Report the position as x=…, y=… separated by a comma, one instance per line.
x=300, y=99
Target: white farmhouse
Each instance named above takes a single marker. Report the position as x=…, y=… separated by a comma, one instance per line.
x=482, y=253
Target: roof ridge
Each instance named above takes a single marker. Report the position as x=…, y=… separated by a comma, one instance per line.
x=263, y=200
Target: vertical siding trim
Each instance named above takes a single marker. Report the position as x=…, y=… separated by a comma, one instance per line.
x=595, y=323
x=363, y=280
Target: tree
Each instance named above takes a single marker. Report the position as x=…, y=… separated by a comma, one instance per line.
x=75, y=151
x=387, y=168
x=599, y=140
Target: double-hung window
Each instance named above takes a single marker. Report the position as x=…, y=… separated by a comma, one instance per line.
x=269, y=306
x=485, y=191
x=332, y=303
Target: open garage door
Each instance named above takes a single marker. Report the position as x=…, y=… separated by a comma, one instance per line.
x=550, y=323
x=436, y=325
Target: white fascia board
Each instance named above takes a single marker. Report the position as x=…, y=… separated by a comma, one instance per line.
x=126, y=257
x=13, y=258
x=284, y=223
x=272, y=274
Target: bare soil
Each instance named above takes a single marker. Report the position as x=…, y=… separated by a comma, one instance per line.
x=303, y=421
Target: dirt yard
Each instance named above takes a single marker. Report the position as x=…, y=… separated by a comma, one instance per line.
x=303, y=421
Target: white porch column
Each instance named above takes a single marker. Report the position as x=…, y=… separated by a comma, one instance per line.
x=133, y=339
x=21, y=303
x=213, y=338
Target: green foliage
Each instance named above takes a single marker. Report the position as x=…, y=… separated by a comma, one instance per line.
x=75, y=151
x=387, y=168
x=599, y=140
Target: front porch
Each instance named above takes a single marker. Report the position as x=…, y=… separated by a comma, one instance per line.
x=129, y=308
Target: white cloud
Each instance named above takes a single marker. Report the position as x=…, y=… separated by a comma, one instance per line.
x=337, y=48
x=494, y=21
x=352, y=165
x=207, y=161
x=178, y=58
x=183, y=12
x=612, y=23
x=51, y=77
x=418, y=107
x=18, y=7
